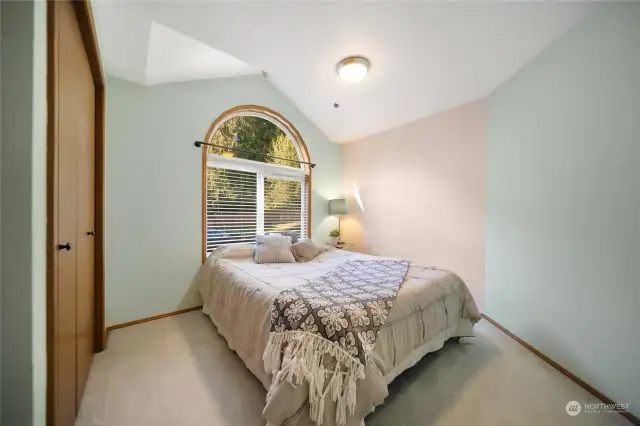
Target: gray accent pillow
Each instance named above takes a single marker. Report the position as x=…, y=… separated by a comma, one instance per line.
x=304, y=250
x=273, y=240
x=292, y=234
x=273, y=254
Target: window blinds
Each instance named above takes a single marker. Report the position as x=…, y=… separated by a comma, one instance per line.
x=283, y=209
x=232, y=207
x=244, y=200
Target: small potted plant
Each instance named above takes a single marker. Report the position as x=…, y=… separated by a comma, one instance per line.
x=334, y=237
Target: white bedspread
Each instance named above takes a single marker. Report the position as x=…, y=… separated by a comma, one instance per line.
x=432, y=306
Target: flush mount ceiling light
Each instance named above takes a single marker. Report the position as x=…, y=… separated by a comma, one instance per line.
x=353, y=68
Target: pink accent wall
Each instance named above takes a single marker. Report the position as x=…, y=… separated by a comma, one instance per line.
x=422, y=187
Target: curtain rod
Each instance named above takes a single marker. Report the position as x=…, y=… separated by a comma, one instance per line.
x=198, y=144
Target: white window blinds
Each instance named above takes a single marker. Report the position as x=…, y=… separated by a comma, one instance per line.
x=282, y=205
x=232, y=201
x=246, y=198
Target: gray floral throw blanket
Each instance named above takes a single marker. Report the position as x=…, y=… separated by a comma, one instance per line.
x=338, y=316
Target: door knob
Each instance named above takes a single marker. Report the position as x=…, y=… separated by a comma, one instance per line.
x=92, y=233
x=66, y=247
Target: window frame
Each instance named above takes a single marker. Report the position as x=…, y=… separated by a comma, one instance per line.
x=263, y=170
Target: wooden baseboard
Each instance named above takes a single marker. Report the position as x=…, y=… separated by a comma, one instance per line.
x=633, y=419
x=153, y=318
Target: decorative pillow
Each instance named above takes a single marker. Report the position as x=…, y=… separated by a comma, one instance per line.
x=322, y=248
x=273, y=254
x=304, y=250
x=274, y=240
x=292, y=234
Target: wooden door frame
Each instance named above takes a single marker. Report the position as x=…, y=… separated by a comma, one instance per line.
x=84, y=16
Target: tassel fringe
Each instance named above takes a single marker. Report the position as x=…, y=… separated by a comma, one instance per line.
x=304, y=360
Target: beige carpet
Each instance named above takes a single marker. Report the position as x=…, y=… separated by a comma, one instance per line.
x=179, y=371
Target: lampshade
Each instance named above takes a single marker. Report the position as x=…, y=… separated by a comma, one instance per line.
x=338, y=206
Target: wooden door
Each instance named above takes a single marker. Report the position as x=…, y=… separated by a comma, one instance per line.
x=72, y=339
x=85, y=227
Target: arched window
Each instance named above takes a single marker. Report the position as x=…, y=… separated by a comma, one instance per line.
x=258, y=187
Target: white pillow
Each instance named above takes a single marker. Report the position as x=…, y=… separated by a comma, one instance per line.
x=292, y=234
x=273, y=254
x=274, y=240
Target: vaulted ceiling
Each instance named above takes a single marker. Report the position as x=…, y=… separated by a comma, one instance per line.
x=425, y=57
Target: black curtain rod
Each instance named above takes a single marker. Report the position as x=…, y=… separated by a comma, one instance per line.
x=198, y=144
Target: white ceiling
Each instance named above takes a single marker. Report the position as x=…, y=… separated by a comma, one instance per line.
x=173, y=56
x=426, y=56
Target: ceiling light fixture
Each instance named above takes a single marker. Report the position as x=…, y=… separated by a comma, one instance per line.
x=353, y=68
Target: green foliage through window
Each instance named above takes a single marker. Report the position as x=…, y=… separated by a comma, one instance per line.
x=257, y=135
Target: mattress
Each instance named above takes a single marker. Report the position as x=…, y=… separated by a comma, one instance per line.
x=432, y=306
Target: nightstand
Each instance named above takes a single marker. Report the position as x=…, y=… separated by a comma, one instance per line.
x=349, y=247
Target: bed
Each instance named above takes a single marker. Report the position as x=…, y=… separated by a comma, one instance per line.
x=432, y=306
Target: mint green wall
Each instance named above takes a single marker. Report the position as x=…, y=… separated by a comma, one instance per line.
x=23, y=197
x=563, y=203
x=154, y=190
x=0, y=212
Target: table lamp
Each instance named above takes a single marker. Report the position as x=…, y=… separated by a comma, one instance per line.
x=338, y=207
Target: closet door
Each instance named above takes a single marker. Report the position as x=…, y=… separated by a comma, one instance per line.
x=73, y=293
x=85, y=230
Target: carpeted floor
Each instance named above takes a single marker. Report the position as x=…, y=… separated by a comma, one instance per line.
x=179, y=371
